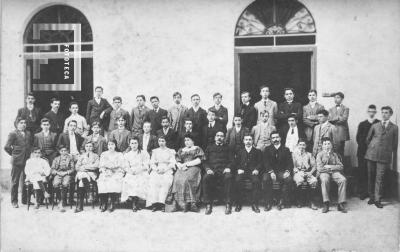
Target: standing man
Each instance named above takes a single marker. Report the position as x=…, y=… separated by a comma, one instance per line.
x=154, y=116
x=292, y=134
x=221, y=113
x=247, y=111
x=218, y=166
x=116, y=113
x=323, y=130
x=310, y=118
x=382, y=142
x=197, y=115
x=177, y=112
x=168, y=133
x=138, y=115
x=235, y=135
x=121, y=135
x=278, y=165
x=97, y=108
x=287, y=108
x=329, y=168
x=46, y=141
x=338, y=116
x=262, y=132
x=55, y=117
x=265, y=104
x=30, y=114
x=18, y=146
x=82, y=128
x=209, y=130
x=362, y=133
x=71, y=140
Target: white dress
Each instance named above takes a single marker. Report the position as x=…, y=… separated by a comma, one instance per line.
x=160, y=184
x=36, y=169
x=111, y=172
x=136, y=184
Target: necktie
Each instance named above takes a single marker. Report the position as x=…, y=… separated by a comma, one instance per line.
x=265, y=103
x=210, y=125
x=292, y=131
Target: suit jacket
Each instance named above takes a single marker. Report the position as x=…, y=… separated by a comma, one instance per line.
x=153, y=143
x=39, y=141
x=198, y=118
x=329, y=130
x=19, y=147
x=99, y=146
x=137, y=118
x=231, y=140
x=114, y=115
x=222, y=112
x=270, y=106
x=339, y=117
x=218, y=157
x=63, y=139
x=277, y=160
x=181, y=139
x=32, y=118
x=285, y=131
x=362, y=133
x=155, y=119
x=285, y=109
x=249, y=115
x=94, y=110
x=122, y=137
x=309, y=123
x=256, y=132
x=208, y=134
x=176, y=116
x=249, y=161
x=382, y=142
x=171, y=137
x=56, y=121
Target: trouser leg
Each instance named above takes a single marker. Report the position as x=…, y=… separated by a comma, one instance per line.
x=285, y=188
x=255, y=181
x=239, y=189
x=267, y=188
x=16, y=172
x=362, y=175
x=325, y=186
x=227, y=183
x=208, y=188
x=340, y=148
x=371, y=178
x=379, y=181
x=340, y=180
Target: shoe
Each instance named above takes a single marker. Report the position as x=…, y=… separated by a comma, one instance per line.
x=185, y=208
x=154, y=209
x=111, y=208
x=162, y=209
x=194, y=208
x=267, y=207
x=15, y=204
x=208, y=209
x=341, y=208
x=280, y=206
x=134, y=207
x=255, y=208
x=371, y=202
x=238, y=208
x=37, y=206
x=325, y=209
x=228, y=209
x=62, y=209
x=378, y=204
x=363, y=196
x=313, y=206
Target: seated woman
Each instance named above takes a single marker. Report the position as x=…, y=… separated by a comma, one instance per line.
x=136, y=181
x=162, y=164
x=87, y=167
x=37, y=170
x=186, y=186
x=111, y=174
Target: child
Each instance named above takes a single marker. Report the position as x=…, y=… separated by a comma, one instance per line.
x=82, y=128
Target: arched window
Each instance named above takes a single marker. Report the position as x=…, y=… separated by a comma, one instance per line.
x=275, y=45
x=58, y=56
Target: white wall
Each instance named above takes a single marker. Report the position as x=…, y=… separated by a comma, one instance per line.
x=157, y=47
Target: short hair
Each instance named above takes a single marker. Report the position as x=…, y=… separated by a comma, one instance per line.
x=89, y=142
x=302, y=140
x=30, y=94
x=154, y=97
x=194, y=95
x=262, y=113
x=19, y=119
x=95, y=123
x=220, y=131
x=288, y=89
x=176, y=94
x=313, y=91
x=72, y=121
x=340, y=94
x=274, y=133
x=264, y=86
x=292, y=115
x=247, y=135
x=147, y=122
x=141, y=96
x=245, y=92
x=212, y=110
x=54, y=99
x=372, y=106
x=45, y=119
x=73, y=103
x=98, y=87
x=325, y=139
x=165, y=118
x=117, y=98
x=323, y=112
x=36, y=148
x=62, y=146
x=217, y=94
x=387, y=108
x=188, y=119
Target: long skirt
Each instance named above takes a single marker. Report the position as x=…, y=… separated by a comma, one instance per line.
x=135, y=186
x=109, y=183
x=186, y=187
x=159, y=185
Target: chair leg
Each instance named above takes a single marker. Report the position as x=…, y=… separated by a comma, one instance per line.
x=28, y=196
x=54, y=198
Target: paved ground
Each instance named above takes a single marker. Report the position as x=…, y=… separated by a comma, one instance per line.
x=363, y=228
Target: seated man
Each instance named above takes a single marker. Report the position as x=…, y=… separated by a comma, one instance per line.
x=329, y=167
x=62, y=169
x=218, y=167
x=303, y=169
x=249, y=164
x=278, y=165
x=37, y=170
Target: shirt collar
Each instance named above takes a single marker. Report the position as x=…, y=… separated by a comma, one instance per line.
x=248, y=149
x=277, y=147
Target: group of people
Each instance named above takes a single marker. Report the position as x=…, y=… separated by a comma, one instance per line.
x=183, y=156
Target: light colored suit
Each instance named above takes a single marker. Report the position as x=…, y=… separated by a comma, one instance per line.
x=256, y=133
x=320, y=131
x=382, y=142
x=310, y=119
x=268, y=105
x=339, y=117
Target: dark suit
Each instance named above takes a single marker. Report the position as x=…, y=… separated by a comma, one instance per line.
x=99, y=146
x=32, y=118
x=249, y=116
x=199, y=119
x=208, y=134
x=300, y=131
x=63, y=139
x=171, y=137
x=218, y=157
x=122, y=138
x=48, y=149
x=235, y=139
x=19, y=147
x=382, y=143
x=285, y=109
x=152, y=144
x=155, y=119
x=248, y=162
x=195, y=136
x=277, y=161
x=56, y=121
x=221, y=116
x=95, y=109
x=362, y=174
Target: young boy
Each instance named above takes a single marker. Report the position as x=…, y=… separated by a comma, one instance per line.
x=154, y=116
x=197, y=115
x=46, y=141
x=262, y=131
x=37, y=171
x=265, y=104
x=116, y=113
x=209, y=130
x=121, y=135
x=82, y=128
x=338, y=116
x=221, y=113
x=310, y=118
x=177, y=112
x=247, y=111
x=97, y=108
x=235, y=135
x=99, y=142
x=138, y=115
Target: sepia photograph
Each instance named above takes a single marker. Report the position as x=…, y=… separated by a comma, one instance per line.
x=199, y=125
